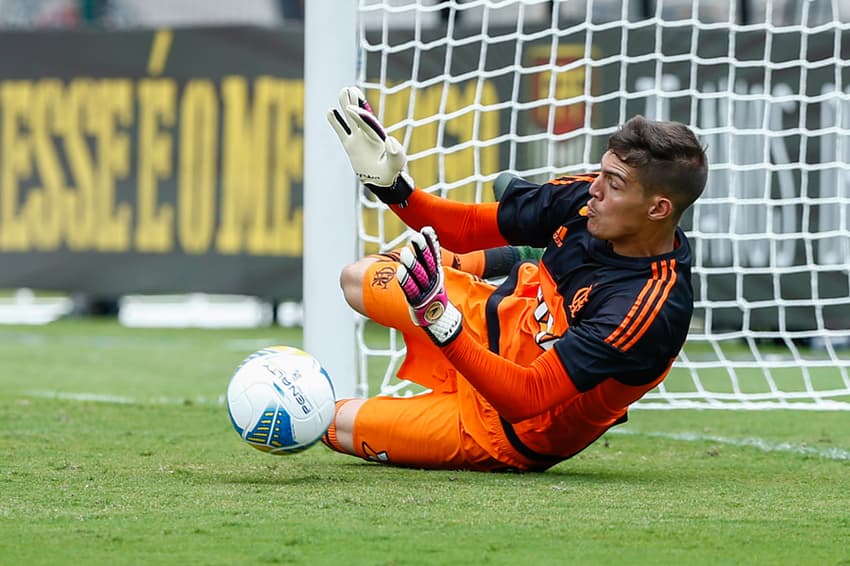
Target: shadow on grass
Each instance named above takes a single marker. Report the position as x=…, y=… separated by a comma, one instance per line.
x=309, y=472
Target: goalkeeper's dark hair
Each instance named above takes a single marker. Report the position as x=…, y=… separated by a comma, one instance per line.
x=667, y=156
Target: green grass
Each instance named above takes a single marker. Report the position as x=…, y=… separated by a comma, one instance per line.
x=157, y=476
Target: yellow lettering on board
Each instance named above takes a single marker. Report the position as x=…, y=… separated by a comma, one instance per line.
x=113, y=111
x=278, y=108
x=157, y=114
x=450, y=167
x=16, y=162
x=197, y=166
x=45, y=208
x=256, y=155
x=238, y=167
x=257, y=209
x=471, y=125
x=289, y=151
x=80, y=223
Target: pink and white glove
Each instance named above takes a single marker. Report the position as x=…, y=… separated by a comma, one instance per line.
x=378, y=159
x=421, y=277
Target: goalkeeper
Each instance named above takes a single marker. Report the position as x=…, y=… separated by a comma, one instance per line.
x=528, y=373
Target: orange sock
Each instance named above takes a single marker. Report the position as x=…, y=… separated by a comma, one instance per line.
x=329, y=438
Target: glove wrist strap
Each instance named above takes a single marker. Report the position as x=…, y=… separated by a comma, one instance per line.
x=397, y=193
x=446, y=328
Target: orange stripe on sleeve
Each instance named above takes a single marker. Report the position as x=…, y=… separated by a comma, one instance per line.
x=632, y=311
x=569, y=180
x=667, y=287
x=646, y=307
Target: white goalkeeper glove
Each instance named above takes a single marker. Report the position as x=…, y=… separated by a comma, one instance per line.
x=421, y=277
x=378, y=159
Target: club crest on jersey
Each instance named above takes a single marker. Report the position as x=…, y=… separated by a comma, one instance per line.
x=383, y=276
x=579, y=300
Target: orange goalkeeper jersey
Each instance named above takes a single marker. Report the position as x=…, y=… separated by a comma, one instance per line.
x=567, y=344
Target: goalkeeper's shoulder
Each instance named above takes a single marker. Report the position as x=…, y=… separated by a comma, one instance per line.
x=509, y=181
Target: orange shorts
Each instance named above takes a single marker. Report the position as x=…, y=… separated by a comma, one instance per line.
x=452, y=426
x=424, y=431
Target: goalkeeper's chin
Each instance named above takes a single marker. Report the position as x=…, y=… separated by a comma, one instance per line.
x=594, y=228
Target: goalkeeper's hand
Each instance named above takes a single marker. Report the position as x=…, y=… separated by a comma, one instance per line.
x=421, y=277
x=378, y=159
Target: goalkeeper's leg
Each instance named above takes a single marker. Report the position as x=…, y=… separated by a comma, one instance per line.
x=424, y=431
x=370, y=287
x=375, y=272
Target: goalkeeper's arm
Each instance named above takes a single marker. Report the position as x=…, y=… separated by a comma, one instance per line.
x=490, y=263
x=380, y=163
x=516, y=392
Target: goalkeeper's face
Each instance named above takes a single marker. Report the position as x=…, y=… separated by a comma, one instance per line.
x=620, y=210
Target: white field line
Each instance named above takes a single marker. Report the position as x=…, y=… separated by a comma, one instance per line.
x=124, y=400
x=757, y=443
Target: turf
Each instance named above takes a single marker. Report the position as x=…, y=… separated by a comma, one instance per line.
x=115, y=448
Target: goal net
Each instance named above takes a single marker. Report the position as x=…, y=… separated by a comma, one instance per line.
x=535, y=88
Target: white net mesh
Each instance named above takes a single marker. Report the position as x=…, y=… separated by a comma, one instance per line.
x=535, y=87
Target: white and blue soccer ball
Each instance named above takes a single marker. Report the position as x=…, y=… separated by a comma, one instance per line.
x=280, y=400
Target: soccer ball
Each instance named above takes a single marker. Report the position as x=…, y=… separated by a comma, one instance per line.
x=280, y=400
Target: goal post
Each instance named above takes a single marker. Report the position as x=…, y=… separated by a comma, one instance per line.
x=477, y=87
x=330, y=56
